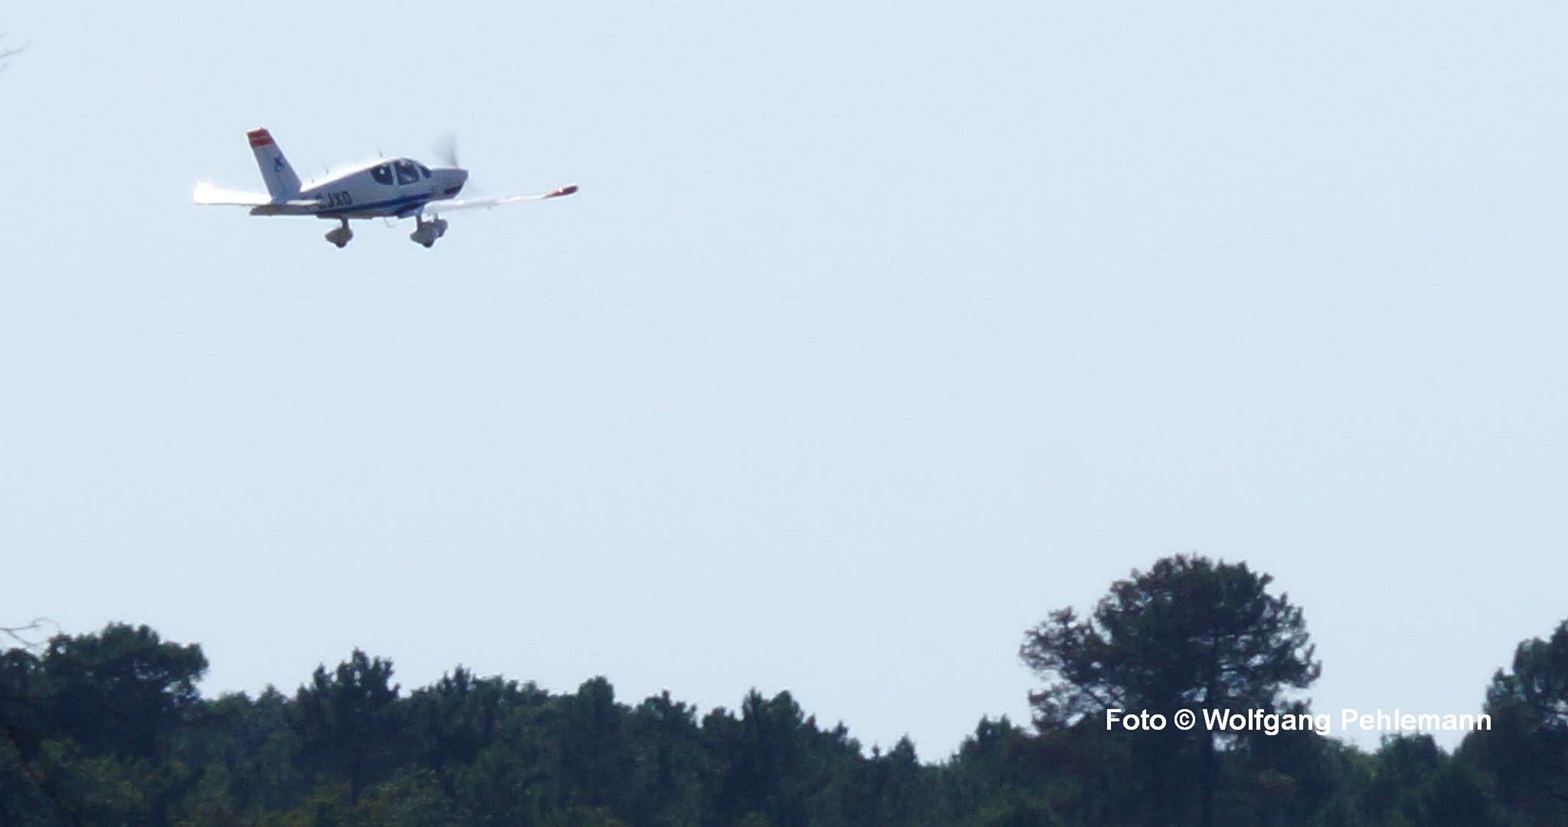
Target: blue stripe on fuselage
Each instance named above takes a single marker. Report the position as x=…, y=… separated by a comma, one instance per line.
x=399, y=207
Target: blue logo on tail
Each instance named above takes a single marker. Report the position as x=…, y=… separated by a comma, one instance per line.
x=277, y=164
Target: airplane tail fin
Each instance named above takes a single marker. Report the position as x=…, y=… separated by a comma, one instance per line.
x=282, y=183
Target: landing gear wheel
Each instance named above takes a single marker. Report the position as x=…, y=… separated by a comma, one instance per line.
x=341, y=236
x=426, y=232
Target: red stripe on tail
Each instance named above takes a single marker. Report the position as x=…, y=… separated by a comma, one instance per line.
x=259, y=137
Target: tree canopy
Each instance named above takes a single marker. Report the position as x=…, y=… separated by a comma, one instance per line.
x=1527, y=749
x=109, y=728
x=1189, y=634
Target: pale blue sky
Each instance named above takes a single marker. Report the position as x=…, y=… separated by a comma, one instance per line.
x=877, y=332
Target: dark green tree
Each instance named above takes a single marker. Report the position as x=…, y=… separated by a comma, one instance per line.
x=988, y=766
x=119, y=691
x=23, y=728
x=1291, y=778
x=899, y=787
x=763, y=761
x=1526, y=752
x=1188, y=634
x=512, y=778
x=595, y=759
x=451, y=722
x=86, y=723
x=1402, y=770
x=1071, y=775
x=1414, y=782
x=669, y=763
x=250, y=746
x=348, y=721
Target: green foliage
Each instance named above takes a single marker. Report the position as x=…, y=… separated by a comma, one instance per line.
x=595, y=756
x=1526, y=752
x=669, y=763
x=118, y=691
x=348, y=721
x=586, y=817
x=1188, y=634
x=348, y=748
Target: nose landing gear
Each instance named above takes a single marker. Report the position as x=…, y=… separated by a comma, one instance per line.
x=426, y=232
x=341, y=236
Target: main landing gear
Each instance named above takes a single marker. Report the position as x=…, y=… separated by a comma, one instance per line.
x=426, y=232
x=342, y=235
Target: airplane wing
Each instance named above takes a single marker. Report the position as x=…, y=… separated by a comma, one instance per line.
x=259, y=202
x=497, y=201
x=217, y=196
x=299, y=206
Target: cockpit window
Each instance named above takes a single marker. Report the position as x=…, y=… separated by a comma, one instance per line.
x=423, y=170
x=382, y=174
x=406, y=174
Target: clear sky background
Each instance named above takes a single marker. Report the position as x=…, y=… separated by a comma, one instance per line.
x=878, y=331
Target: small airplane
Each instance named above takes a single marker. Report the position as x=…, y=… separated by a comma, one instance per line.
x=384, y=188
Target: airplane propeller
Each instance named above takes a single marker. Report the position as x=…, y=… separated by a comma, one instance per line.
x=446, y=150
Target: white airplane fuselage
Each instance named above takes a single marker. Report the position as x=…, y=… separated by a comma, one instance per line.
x=395, y=188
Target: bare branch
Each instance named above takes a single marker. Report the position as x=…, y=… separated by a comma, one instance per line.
x=6, y=53
x=25, y=637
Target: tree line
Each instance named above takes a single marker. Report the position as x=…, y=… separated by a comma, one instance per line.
x=109, y=728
